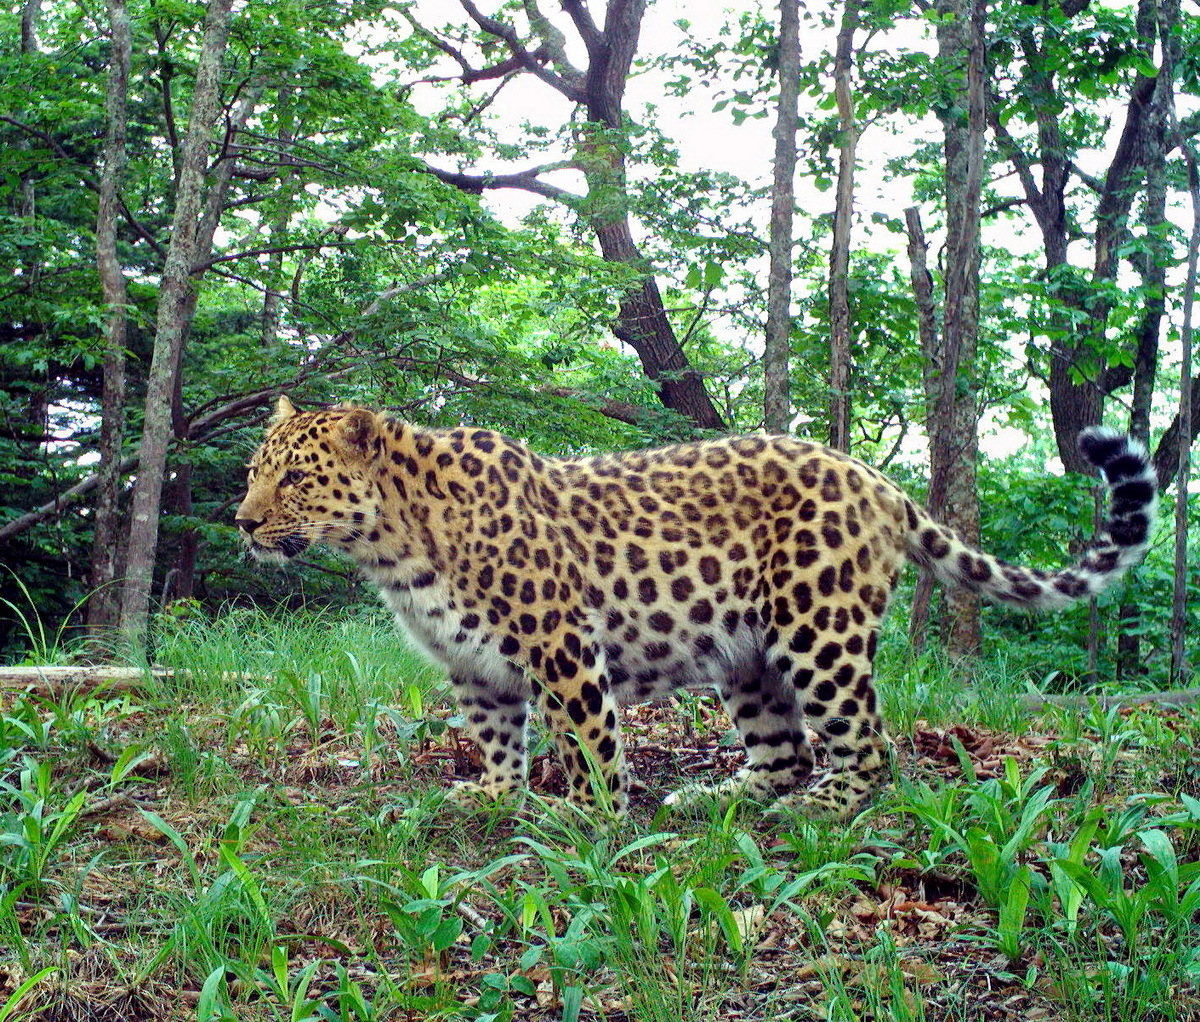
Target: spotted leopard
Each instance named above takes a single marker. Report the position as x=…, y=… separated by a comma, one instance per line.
x=757, y=565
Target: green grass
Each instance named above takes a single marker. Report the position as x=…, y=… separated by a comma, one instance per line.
x=261, y=836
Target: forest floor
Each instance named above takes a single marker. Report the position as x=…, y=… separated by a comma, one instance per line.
x=230, y=844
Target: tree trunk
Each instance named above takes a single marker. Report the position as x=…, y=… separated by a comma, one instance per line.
x=103, y=606
x=643, y=324
x=950, y=390
x=839, y=260
x=37, y=403
x=1180, y=668
x=922, y=286
x=183, y=572
x=175, y=308
x=280, y=220
x=642, y=321
x=777, y=410
x=1152, y=266
x=1179, y=663
x=1079, y=381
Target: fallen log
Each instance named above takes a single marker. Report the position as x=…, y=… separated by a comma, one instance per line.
x=1178, y=697
x=53, y=680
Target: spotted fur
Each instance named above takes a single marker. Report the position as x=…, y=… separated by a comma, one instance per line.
x=758, y=565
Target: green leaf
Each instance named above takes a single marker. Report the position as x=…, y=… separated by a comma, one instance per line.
x=1140, y=62
x=15, y=998
x=718, y=907
x=209, y=1006
x=447, y=933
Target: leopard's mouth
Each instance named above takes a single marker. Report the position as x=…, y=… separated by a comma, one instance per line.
x=286, y=549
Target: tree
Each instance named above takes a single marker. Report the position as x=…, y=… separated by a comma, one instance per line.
x=192, y=230
x=601, y=141
x=1091, y=357
x=951, y=403
x=1180, y=668
x=104, y=602
x=839, y=260
x=777, y=412
x=1179, y=661
x=1106, y=51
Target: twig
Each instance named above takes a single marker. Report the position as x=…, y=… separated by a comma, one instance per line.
x=473, y=917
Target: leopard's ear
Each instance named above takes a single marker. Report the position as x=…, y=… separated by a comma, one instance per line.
x=357, y=430
x=284, y=409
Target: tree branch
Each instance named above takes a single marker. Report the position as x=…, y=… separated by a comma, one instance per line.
x=554, y=43
x=529, y=60
x=525, y=180
x=61, y=502
x=1016, y=156
x=588, y=31
x=250, y=252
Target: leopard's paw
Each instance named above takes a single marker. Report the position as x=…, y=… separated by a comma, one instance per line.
x=834, y=796
x=693, y=798
x=472, y=796
x=755, y=787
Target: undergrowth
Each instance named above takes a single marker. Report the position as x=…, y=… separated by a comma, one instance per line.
x=260, y=834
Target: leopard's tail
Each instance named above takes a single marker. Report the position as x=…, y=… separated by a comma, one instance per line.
x=1120, y=543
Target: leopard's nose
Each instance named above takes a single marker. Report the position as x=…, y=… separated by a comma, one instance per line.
x=247, y=525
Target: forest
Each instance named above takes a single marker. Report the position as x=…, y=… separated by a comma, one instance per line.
x=942, y=235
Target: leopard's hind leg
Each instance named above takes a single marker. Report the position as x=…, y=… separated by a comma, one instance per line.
x=581, y=712
x=764, y=708
x=834, y=684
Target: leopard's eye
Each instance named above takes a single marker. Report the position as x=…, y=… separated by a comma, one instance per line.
x=292, y=476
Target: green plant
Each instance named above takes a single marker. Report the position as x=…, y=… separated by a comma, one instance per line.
x=310, y=694
x=1091, y=743
x=24, y=724
x=213, y=1002
x=289, y=999
x=878, y=988
x=348, y=1002
x=42, y=646
x=261, y=721
x=13, y=1001
x=1170, y=889
x=34, y=830
x=428, y=924
x=225, y=923
x=12, y=932
x=1010, y=929
x=997, y=822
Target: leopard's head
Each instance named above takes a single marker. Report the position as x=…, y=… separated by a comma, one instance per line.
x=311, y=482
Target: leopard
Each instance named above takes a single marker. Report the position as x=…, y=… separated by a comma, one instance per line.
x=756, y=565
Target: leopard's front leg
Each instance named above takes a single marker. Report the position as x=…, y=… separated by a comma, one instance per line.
x=573, y=694
x=496, y=714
